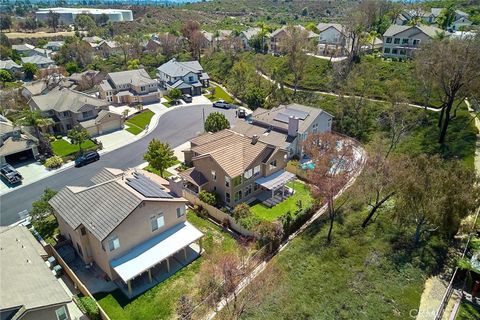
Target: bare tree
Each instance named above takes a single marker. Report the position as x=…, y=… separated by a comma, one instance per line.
x=449, y=68
x=335, y=164
x=124, y=43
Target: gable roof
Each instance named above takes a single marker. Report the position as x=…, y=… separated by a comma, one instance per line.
x=25, y=279
x=311, y=34
x=135, y=77
x=55, y=44
x=251, y=32
x=66, y=99
x=23, y=47
x=430, y=31
x=37, y=59
x=176, y=68
x=9, y=64
x=324, y=26
x=103, y=206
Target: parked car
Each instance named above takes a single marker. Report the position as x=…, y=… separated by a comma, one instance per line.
x=221, y=104
x=187, y=98
x=241, y=113
x=10, y=174
x=87, y=158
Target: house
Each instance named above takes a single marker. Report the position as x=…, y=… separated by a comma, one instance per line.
x=127, y=87
x=43, y=86
x=286, y=126
x=106, y=48
x=10, y=66
x=186, y=76
x=28, y=288
x=129, y=223
x=430, y=17
x=105, y=122
x=41, y=52
x=235, y=167
x=40, y=61
x=87, y=79
x=68, y=108
x=277, y=36
x=247, y=35
x=402, y=41
x=16, y=144
x=24, y=49
x=208, y=39
x=332, y=39
x=54, y=45
x=460, y=22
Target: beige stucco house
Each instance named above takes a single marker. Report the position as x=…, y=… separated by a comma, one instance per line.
x=16, y=144
x=28, y=288
x=278, y=36
x=127, y=222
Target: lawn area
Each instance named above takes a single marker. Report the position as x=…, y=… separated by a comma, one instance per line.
x=159, y=302
x=166, y=174
x=138, y=122
x=63, y=148
x=47, y=228
x=220, y=94
x=468, y=311
x=362, y=274
x=302, y=193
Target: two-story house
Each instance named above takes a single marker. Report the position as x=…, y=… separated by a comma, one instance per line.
x=332, y=38
x=129, y=223
x=128, y=87
x=247, y=35
x=430, y=17
x=186, y=76
x=235, y=167
x=16, y=144
x=278, y=36
x=68, y=108
x=10, y=66
x=402, y=41
x=40, y=61
x=286, y=126
x=24, y=49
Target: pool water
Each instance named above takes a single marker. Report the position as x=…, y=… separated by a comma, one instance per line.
x=307, y=165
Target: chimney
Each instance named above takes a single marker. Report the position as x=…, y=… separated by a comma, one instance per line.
x=255, y=139
x=175, y=184
x=293, y=123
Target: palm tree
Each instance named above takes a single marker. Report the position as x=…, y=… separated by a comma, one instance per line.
x=34, y=119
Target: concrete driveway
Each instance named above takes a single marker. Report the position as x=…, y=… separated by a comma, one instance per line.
x=116, y=139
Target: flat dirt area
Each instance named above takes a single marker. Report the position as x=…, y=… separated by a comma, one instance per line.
x=39, y=34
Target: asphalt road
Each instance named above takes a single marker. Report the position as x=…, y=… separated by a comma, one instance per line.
x=175, y=127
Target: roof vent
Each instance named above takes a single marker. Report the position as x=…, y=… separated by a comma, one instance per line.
x=254, y=139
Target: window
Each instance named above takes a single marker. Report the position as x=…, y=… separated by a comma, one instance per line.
x=256, y=187
x=227, y=181
x=403, y=52
x=142, y=88
x=396, y=41
x=180, y=212
x=227, y=197
x=61, y=313
x=256, y=170
x=394, y=51
x=389, y=40
x=79, y=249
x=386, y=50
x=157, y=222
x=69, y=126
x=83, y=231
x=190, y=79
x=404, y=41
x=214, y=175
x=248, y=174
x=237, y=181
x=66, y=114
x=113, y=243
x=238, y=195
x=248, y=190
x=416, y=42
x=273, y=164
x=87, y=114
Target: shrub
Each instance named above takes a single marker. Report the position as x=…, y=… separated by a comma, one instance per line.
x=241, y=211
x=208, y=197
x=53, y=162
x=91, y=308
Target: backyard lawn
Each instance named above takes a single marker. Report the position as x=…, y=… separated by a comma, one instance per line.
x=63, y=148
x=166, y=174
x=160, y=301
x=302, y=193
x=137, y=123
x=220, y=94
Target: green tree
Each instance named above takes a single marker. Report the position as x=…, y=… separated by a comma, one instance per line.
x=71, y=67
x=175, y=94
x=5, y=22
x=35, y=120
x=133, y=64
x=84, y=22
x=241, y=211
x=216, y=121
x=159, y=155
x=446, y=17
x=31, y=24
x=30, y=70
x=78, y=136
x=5, y=76
x=255, y=98
x=41, y=207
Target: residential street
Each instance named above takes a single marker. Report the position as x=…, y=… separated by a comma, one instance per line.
x=175, y=127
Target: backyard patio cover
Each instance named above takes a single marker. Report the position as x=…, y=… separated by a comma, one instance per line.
x=275, y=180
x=152, y=252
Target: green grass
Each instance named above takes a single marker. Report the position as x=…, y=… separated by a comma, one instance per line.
x=138, y=122
x=63, y=148
x=165, y=175
x=302, y=193
x=220, y=94
x=159, y=302
x=468, y=311
x=47, y=228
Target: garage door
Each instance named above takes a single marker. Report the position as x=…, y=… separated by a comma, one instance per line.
x=110, y=126
x=19, y=157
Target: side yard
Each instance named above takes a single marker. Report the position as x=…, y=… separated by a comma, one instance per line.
x=219, y=94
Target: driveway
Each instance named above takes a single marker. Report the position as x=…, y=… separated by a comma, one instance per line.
x=175, y=126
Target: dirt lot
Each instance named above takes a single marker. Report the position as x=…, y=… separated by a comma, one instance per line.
x=39, y=34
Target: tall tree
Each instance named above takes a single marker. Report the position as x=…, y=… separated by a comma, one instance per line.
x=35, y=120
x=53, y=20
x=159, y=155
x=78, y=136
x=5, y=22
x=294, y=44
x=449, y=69
x=125, y=45
x=335, y=164
x=216, y=121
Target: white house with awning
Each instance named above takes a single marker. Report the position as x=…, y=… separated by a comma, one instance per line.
x=130, y=224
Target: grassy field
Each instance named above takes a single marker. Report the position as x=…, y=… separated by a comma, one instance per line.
x=220, y=94
x=38, y=34
x=159, y=302
x=302, y=193
x=468, y=311
x=138, y=122
x=63, y=148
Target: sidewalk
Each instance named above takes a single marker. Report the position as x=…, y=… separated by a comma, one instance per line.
x=332, y=59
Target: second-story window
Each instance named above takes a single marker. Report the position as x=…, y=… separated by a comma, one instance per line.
x=248, y=174
x=416, y=42
x=157, y=222
x=83, y=231
x=214, y=175
x=190, y=79
x=256, y=170
x=405, y=41
x=227, y=181
x=113, y=243
x=180, y=212
x=65, y=114
x=273, y=164
x=142, y=88
x=389, y=40
x=87, y=114
x=396, y=41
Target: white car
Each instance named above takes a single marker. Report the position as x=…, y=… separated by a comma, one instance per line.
x=221, y=104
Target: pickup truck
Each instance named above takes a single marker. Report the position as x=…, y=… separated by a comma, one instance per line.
x=10, y=174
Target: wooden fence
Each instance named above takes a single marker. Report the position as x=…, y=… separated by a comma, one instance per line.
x=78, y=284
x=216, y=214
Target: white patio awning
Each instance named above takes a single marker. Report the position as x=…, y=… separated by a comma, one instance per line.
x=275, y=180
x=152, y=252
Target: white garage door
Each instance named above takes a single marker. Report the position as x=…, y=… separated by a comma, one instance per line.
x=110, y=126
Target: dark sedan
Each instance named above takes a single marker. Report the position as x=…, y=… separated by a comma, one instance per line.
x=87, y=158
